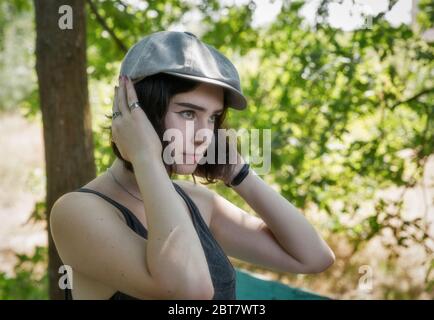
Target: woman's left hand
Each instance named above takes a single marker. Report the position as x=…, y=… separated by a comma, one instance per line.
x=235, y=167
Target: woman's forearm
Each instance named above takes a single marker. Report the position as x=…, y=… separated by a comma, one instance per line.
x=290, y=228
x=175, y=256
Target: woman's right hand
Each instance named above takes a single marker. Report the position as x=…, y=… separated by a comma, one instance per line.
x=133, y=133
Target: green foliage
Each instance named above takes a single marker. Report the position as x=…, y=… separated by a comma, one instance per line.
x=112, y=27
x=350, y=112
x=18, y=87
x=30, y=280
x=39, y=212
x=342, y=106
x=426, y=15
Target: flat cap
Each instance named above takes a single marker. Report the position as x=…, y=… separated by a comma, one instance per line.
x=182, y=54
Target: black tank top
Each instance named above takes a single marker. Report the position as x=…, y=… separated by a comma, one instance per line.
x=221, y=270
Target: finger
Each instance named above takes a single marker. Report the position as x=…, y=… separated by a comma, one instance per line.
x=116, y=104
x=115, y=107
x=131, y=92
x=122, y=99
x=118, y=101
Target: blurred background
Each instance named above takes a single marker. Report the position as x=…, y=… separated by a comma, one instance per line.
x=346, y=87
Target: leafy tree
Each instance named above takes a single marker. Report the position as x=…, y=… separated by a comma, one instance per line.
x=350, y=112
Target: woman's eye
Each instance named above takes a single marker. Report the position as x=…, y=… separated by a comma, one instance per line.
x=190, y=115
x=214, y=117
x=187, y=114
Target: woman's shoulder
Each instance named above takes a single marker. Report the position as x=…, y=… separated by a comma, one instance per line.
x=73, y=201
x=93, y=193
x=75, y=204
x=201, y=196
x=195, y=190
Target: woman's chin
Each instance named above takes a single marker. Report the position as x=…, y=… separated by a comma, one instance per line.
x=185, y=169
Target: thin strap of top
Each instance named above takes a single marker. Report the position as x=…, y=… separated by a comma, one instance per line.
x=130, y=218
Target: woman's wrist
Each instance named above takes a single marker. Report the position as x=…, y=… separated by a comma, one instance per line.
x=236, y=172
x=146, y=161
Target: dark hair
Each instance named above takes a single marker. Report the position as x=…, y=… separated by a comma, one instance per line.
x=154, y=94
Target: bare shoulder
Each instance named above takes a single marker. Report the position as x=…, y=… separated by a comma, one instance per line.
x=77, y=203
x=90, y=237
x=76, y=210
x=74, y=217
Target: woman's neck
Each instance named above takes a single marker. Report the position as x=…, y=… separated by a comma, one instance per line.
x=125, y=177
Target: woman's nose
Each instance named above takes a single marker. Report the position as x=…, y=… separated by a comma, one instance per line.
x=202, y=136
x=203, y=133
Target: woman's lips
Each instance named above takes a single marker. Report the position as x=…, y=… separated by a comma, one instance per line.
x=194, y=157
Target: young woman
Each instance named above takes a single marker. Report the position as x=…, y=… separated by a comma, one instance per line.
x=133, y=233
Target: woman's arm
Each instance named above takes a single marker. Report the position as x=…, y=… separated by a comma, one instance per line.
x=289, y=227
x=281, y=239
x=175, y=256
x=91, y=238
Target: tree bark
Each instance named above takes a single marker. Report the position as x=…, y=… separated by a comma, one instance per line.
x=67, y=126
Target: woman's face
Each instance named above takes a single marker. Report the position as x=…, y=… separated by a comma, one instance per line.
x=192, y=115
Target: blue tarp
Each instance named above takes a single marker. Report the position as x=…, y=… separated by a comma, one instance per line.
x=250, y=287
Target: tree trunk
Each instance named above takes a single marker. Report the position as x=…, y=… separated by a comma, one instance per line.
x=64, y=101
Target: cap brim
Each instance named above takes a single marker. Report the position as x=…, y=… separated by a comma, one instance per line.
x=234, y=98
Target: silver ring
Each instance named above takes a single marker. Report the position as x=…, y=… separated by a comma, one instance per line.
x=134, y=105
x=116, y=113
